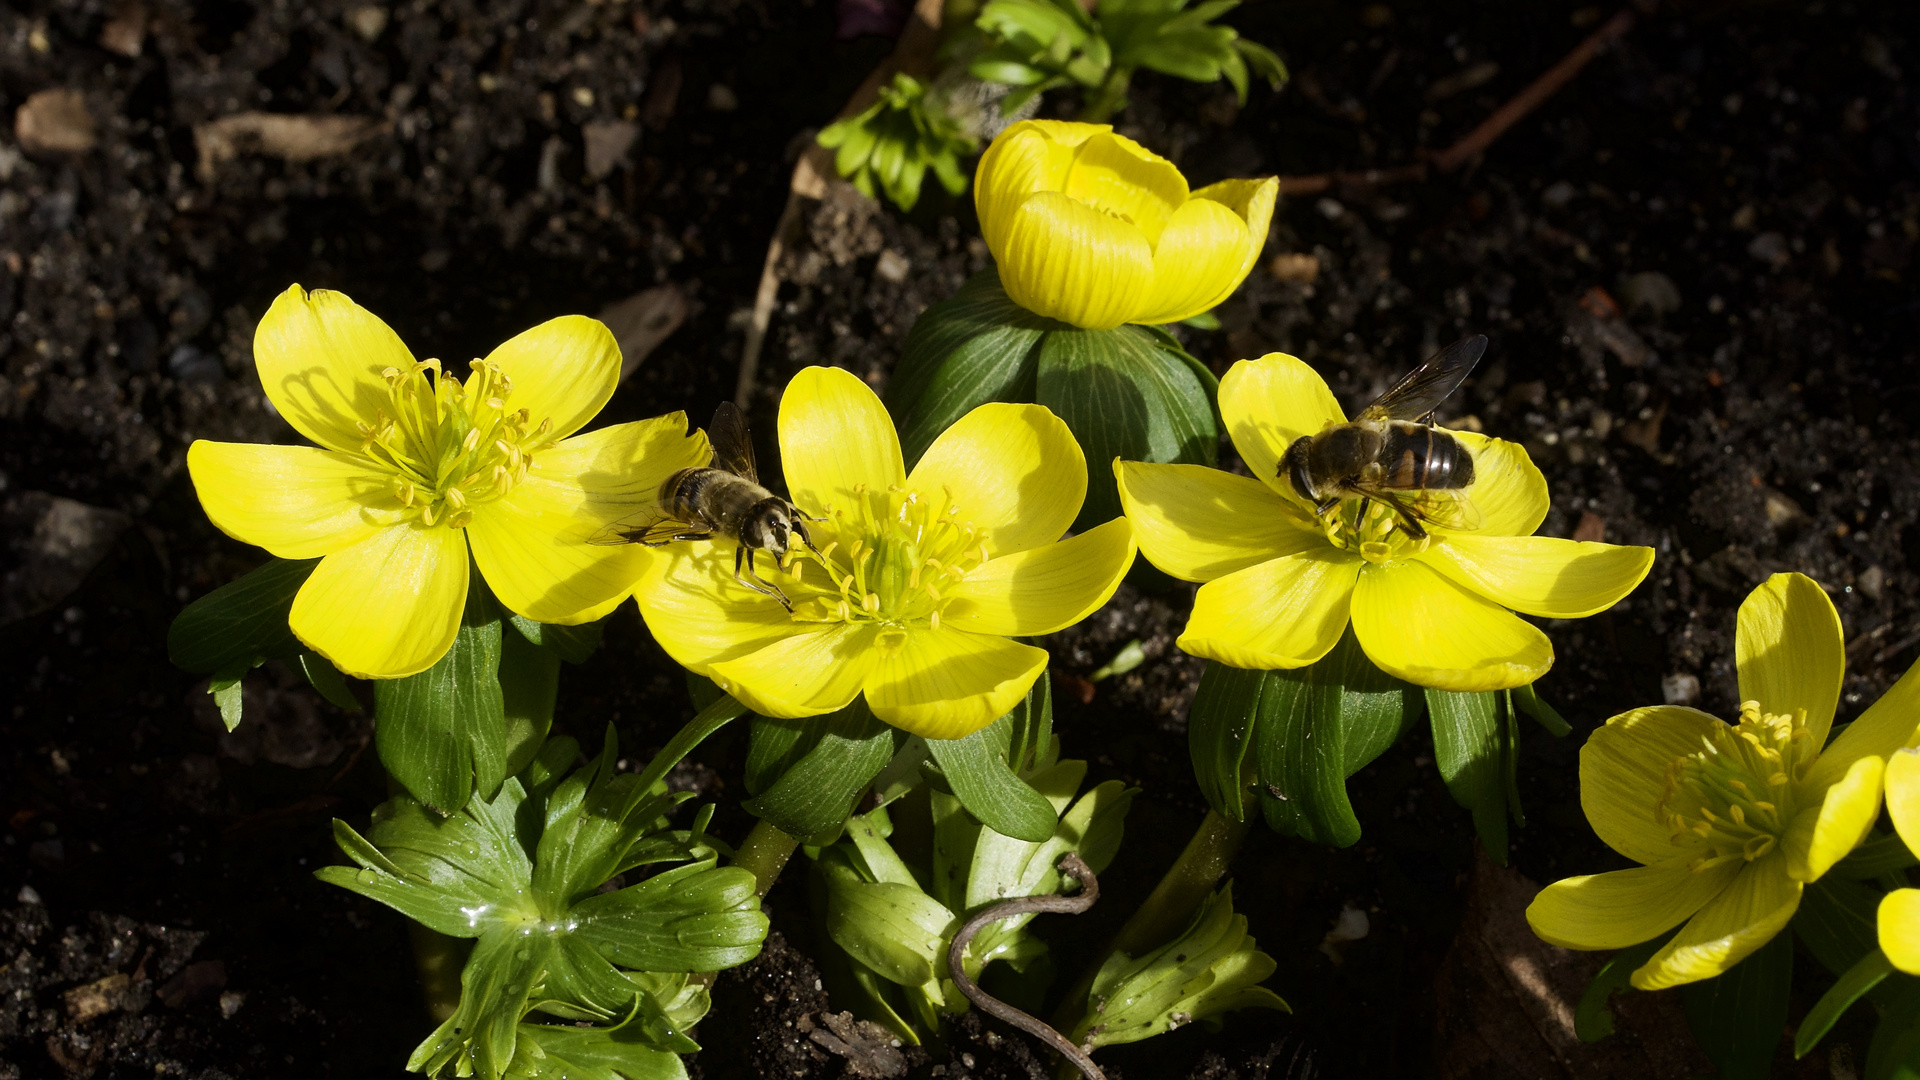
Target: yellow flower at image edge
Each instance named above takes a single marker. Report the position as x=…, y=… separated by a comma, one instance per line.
x=1730, y=821
x=1091, y=228
x=1281, y=586
x=415, y=468
x=1900, y=909
x=920, y=579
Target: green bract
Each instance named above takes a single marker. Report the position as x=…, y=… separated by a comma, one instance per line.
x=895, y=916
x=891, y=145
x=522, y=872
x=1212, y=968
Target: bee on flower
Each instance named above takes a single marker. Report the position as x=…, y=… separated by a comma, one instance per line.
x=418, y=475
x=1731, y=821
x=914, y=583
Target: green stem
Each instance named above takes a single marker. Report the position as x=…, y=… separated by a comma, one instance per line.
x=1109, y=98
x=1185, y=885
x=765, y=852
x=439, y=960
x=711, y=719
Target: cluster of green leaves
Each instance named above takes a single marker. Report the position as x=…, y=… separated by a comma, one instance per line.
x=1213, y=967
x=806, y=776
x=893, y=908
x=1037, y=45
x=1129, y=392
x=459, y=728
x=891, y=146
x=1738, y=1017
x=1288, y=740
x=523, y=872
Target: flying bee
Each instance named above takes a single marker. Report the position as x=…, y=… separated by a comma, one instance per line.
x=1393, y=453
x=725, y=498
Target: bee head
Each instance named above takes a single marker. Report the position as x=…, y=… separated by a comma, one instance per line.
x=769, y=526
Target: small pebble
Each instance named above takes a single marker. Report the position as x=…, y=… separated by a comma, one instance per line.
x=1558, y=194
x=892, y=266
x=231, y=1001
x=1680, y=689
x=721, y=98
x=1652, y=290
x=1872, y=582
x=29, y=895
x=1770, y=247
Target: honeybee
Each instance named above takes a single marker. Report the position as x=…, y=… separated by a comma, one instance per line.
x=725, y=498
x=1393, y=453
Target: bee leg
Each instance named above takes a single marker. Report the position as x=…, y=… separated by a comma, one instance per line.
x=1409, y=523
x=1324, y=506
x=804, y=538
x=745, y=554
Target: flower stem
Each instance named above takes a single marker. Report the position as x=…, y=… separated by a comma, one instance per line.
x=1182, y=889
x=1109, y=98
x=765, y=852
x=710, y=719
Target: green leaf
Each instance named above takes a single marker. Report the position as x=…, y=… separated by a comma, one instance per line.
x=974, y=347
x=442, y=733
x=1894, y=1053
x=493, y=995
x=1592, y=1020
x=574, y=644
x=241, y=622
x=1262, y=61
x=976, y=767
x=1851, y=986
x=895, y=930
x=453, y=874
x=529, y=686
x=1123, y=395
x=815, y=790
x=1528, y=701
x=1206, y=320
x=549, y=1051
x=1472, y=747
x=1838, y=920
x=227, y=694
x=1738, y=1017
x=324, y=677
x=1223, y=713
x=694, y=918
x=1880, y=854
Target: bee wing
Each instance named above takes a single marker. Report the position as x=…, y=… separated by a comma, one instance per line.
x=1447, y=508
x=649, y=527
x=732, y=443
x=1426, y=386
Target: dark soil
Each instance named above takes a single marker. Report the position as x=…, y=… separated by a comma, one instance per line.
x=1695, y=264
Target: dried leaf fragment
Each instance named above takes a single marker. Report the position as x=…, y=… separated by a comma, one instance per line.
x=286, y=136
x=54, y=121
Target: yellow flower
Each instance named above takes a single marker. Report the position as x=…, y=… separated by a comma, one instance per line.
x=1281, y=586
x=919, y=580
x=1092, y=228
x=415, y=469
x=1900, y=909
x=1731, y=821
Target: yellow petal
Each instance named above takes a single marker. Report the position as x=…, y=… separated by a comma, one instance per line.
x=295, y=501
x=1888, y=724
x=1790, y=651
x=835, y=436
x=1269, y=403
x=698, y=613
x=320, y=356
x=388, y=606
x=1068, y=261
x=802, y=674
x=1425, y=629
x=543, y=546
x=1624, y=907
x=1121, y=178
x=1198, y=523
x=1283, y=613
x=1822, y=835
x=947, y=684
x=1730, y=928
x=564, y=371
x=1540, y=575
x=1900, y=929
x=1044, y=589
x=1014, y=471
x=1207, y=249
x=1507, y=487
x=1623, y=776
x=1903, y=795
x=1028, y=157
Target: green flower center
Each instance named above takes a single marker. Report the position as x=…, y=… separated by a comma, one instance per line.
x=450, y=446
x=891, y=559
x=1733, y=797
x=1372, y=530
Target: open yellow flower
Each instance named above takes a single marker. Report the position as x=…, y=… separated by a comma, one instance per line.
x=1900, y=909
x=416, y=469
x=1731, y=821
x=920, y=579
x=1281, y=586
x=1092, y=228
